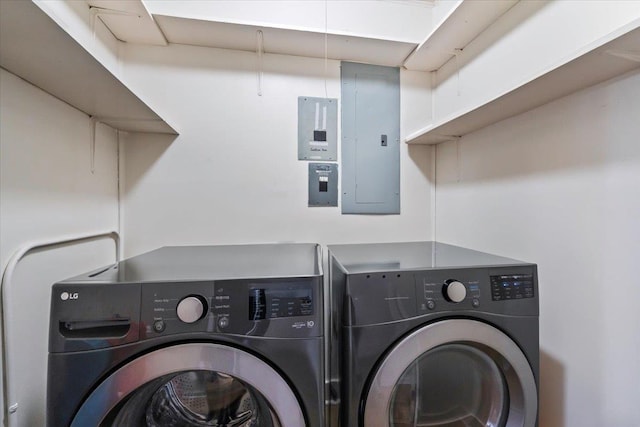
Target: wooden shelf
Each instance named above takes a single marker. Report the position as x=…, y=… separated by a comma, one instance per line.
x=285, y=41
x=461, y=24
x=465, y=20
x=35, y=48
x=602, y=60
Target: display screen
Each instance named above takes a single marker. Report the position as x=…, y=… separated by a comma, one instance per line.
x=511, y=286
x=265, y=303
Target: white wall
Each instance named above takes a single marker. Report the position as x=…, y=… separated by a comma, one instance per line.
x=232, y=176
x=560, y=186
x=47, y=191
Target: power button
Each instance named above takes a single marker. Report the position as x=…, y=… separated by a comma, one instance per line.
x=159, y=326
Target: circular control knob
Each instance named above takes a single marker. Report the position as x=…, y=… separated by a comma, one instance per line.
x=190, y=309
x=454, y=291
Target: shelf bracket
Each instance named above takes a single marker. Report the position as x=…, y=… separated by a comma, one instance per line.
x=104, y=11
x=94, y=123
x=456, y=54
x=448, y=138
x=631, y=55
x=97, y=11
x=260, y=52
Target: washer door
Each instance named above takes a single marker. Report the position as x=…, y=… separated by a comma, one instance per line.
x=193, y=385
x=453, y=373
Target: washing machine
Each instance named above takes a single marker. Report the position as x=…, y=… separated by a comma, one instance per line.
x=191, y=336
x=429, y=334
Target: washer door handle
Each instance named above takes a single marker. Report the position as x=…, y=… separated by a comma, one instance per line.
x=95, y=328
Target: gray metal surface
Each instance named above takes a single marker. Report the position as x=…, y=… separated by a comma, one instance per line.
x=185, y=263
x=323, y=184
x=317, y=128
x=392, y=290
x=258, y=301
x=370, y=139
x=371, y=257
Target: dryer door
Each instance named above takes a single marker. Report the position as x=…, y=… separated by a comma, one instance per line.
x=453, y=373
x=193, y=385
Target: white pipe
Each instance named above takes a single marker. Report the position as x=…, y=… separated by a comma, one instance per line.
x=11, y=405
x=121, y=187
x=434, y=187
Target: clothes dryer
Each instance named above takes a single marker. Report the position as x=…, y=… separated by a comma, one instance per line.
x=191, y=336
x=428, y=334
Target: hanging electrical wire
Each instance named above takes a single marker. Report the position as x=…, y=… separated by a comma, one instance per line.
x=326, y=46
x=457, y=53
x=260, y=52
x=92, y=150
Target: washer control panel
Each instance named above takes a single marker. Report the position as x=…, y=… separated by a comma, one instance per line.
x=263, y=307
x=278, y=303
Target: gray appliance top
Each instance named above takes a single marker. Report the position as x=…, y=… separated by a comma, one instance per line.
x=372, y=257
x=189, y=263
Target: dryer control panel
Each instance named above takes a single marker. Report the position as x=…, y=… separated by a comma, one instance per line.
x=380, y=297
x=279, y=308
x=511, y=286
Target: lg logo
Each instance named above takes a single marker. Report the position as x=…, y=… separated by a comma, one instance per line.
x=68, y=296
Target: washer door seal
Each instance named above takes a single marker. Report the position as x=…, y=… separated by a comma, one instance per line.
x=222, y=359
x=507, y=356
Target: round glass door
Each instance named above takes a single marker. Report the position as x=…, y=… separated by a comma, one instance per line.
x=192, y=385
x=194, y=398
x=453, y=373
x=450, y=386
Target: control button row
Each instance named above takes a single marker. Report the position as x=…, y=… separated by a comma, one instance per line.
x=431, y=304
